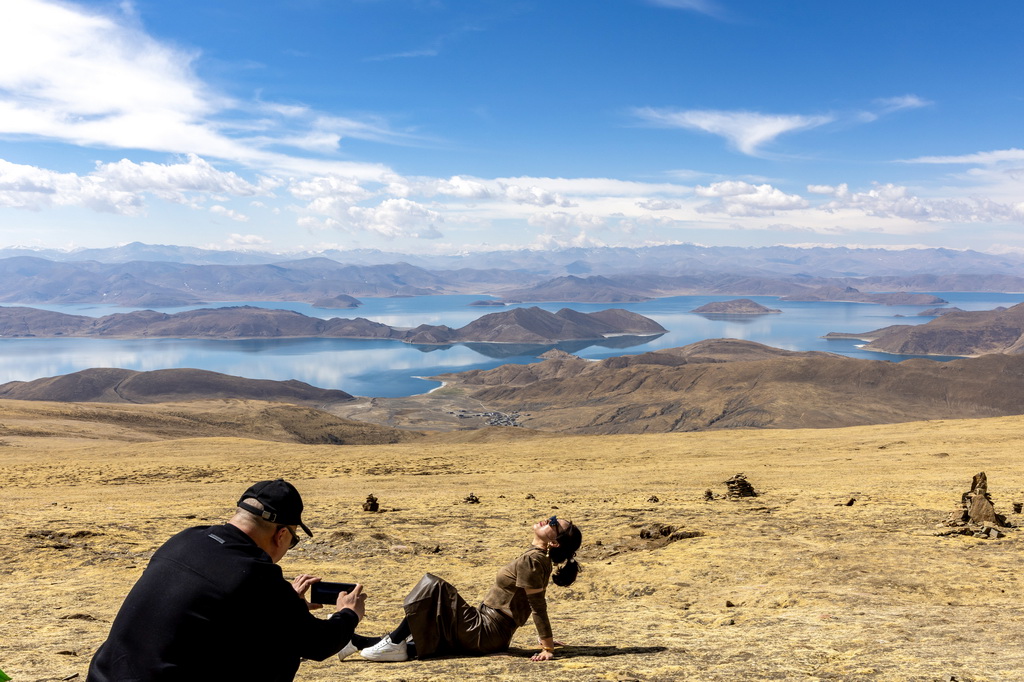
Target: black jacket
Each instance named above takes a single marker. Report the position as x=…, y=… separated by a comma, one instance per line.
x=211, y=605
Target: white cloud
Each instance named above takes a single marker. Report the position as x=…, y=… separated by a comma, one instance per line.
x=579, y=187
x=236, y=239
x=32, y=188
x=120, y=187
x=464, y=188
x=891, y=104
x=708, y=7
x=747, y=131
x=888, y=105
x=889, y=200
x=87, y=78
x=561, y=220
x=579, y=240
x=309, y=130
x=330, y=195
x=536, y=196
x=394, y=218
x=999, y=249
x=737, y=198
x=195, y=175
x=1012, y=155
x=658, y=204
x=886, y=247
x=229, y=213
x=530, y=191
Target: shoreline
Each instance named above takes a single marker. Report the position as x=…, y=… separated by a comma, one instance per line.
x=436, y=388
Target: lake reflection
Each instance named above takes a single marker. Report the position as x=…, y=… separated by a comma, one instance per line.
x=388, y=368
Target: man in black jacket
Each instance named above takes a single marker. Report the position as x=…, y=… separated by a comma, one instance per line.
x=214, y=605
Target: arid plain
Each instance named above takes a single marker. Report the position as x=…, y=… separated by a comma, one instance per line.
x=794, y=584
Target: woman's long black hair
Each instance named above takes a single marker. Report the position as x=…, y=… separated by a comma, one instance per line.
x=565, y=553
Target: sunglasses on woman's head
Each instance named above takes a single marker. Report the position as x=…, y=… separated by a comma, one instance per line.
x=553, y=521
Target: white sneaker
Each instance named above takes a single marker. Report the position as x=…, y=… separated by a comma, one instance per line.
x=347, y=651
x=386, y=650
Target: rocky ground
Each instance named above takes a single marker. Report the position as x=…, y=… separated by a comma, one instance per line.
x=797, y=583
x=446, y=409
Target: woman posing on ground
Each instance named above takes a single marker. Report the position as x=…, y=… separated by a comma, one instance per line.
x=439, y=621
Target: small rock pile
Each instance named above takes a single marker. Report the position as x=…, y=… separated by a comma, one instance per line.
x=976, y=515
x=739, y=487
x=655, y=531
x=371, y=504
x=492, y=418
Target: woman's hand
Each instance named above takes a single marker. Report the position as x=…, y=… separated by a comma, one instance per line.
x=301, y=586
x=547, y=651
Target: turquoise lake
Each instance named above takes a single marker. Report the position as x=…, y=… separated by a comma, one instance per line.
x=390, y=368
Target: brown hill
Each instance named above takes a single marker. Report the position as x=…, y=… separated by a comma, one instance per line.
x=337, y=302
x=27, y=322
x=519, y=325
x=229, y=322
x=534, y=325
x=109, y=385
x=731, y=384
x=939, y=312
x=738, y=306
x=966, y=333
x=66, y=422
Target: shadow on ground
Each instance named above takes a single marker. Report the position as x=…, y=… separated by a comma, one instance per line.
x=594, y=651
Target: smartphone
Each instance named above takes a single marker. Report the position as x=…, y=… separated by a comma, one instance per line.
x=327, y=593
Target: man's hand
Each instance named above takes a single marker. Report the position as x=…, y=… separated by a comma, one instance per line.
x=301, y=586
x=355, y=600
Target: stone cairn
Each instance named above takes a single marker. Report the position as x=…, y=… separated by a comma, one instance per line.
x=739, y=486
x=976, y=515
x=658, y=531
x=371, y=504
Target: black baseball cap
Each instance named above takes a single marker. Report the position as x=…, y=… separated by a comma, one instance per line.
x=281, y=503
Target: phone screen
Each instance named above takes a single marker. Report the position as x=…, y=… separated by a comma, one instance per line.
x=327, y=593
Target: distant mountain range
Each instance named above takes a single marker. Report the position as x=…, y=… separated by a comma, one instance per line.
x=857, y=296
x=674, y=259
x=140, y=275
x=517, y=326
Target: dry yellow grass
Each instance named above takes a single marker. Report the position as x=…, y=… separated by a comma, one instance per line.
x=820, y=591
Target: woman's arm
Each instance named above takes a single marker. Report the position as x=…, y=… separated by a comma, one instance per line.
x=539, y=606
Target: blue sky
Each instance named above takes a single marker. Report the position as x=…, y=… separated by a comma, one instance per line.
x=457, y=125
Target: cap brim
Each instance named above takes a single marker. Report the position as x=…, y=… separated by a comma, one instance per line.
x=303, y=527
